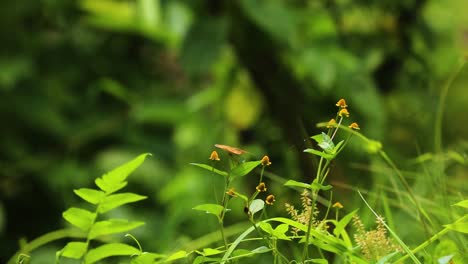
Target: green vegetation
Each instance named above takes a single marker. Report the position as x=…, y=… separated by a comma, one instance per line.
x=87, y=85
x=322, y=237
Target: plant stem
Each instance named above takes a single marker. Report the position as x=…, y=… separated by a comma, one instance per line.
x=430, y=240
x=45, y=239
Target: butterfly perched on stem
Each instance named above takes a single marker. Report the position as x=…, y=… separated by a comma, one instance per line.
x=230, y=149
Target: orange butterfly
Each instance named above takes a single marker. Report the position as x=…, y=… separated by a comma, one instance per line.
x=230, y=149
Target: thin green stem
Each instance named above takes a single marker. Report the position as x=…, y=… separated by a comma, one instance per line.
x=430, y=240
x=45, y=239
x=440, y=109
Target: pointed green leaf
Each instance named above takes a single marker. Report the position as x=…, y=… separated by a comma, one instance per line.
x=320, y=153
x=244, y=168
x=319, y=137
x=280, y=232
x=109, y=187
x=260, y=250
x=74, y=250
x=116, y=200
x=109, y=250
x=146, y=258
x=112, y=226
x=212, y=169
x=297, y=184
x=178, y=255
x=337, y=147
x=340, y=226
x=317, y=186
x=90, y=195
x=461, y=227
x=463, y=204
x=80, y=218
x=211, y=251
x=113, y=180
x=256, y=205
x=266, y=227
x=215, y=209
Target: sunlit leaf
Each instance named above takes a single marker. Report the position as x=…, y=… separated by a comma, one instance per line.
x=90, y=195
x=109, y=250
x=80, y=218
x=244, y=168
x=115, y=179
x=317, y=186
x=214, y=209
x=178, y=255
x=112, y=226
x=340, y=226
x=256, y=205
x=74, y=250
x=297, y=184
x=459, y=227
x=280, y=232
x=210, y=168
x=445, y=259
x=260, y=250
x=211, y=251
x=320, y=153
x=463, y=204
x=116, y=200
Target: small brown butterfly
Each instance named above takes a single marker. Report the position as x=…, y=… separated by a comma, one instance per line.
x=230, y=149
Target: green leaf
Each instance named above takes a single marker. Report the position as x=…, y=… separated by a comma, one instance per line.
x=109, y=187
x=244, y=168
x=319, y=138
x=337, y=147
x=278, y=232
x=74, y=250
x=178, y=255
x=115, y=179
x=112, y=226
x=260, y=250
x=297, y=184
x=146, y=258
x=317, y=186
x=90, y=195
x=340, y=226
x=211, y=251
x=313, y=186
x=80, y=218
x=214, y=209
x=109, y=250
x=266, y=227
x=116, y=200
x=320, y=153
x=463, y=204
x=256, y=205
x=212, y=169
x=459, y=227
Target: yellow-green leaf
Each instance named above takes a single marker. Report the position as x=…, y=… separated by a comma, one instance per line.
x=80, y=218
x=109, y=250
x=74, y=250
x=90, y=195
x=116, y=200
x=112, y=226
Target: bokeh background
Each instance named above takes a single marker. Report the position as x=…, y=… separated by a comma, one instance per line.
x=87, y=85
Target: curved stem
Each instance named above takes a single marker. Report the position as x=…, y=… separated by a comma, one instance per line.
x=45, y=239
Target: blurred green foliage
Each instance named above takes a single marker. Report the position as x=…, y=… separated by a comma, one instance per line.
x=86, y=85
